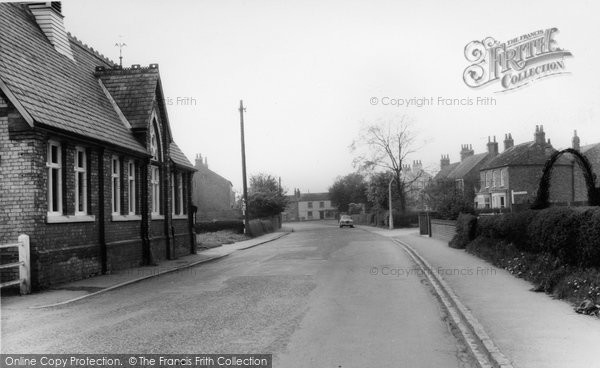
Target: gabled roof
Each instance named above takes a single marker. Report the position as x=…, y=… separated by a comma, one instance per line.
x=525, y=154
x=468, y=164
x=179, y=158
x=445, y=171
x=134, y=91
x=57, y=92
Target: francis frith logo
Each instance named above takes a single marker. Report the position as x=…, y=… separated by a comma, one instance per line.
x=516, y=62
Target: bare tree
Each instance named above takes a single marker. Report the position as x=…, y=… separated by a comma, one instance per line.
x=385, y=146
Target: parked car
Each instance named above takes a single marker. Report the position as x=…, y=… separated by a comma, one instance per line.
x=346, y=220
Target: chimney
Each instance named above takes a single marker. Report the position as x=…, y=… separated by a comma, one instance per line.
x=417, y=166
x=576, y=144
x=198, y=163
x=206, y=162
x=492, y=147
x=508, y=141
x=466, y=151
x=540, y=135
x=445, y=161
x=50, y=19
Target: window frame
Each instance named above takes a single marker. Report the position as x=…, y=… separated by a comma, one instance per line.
x=155, y=186
x=115, y=183
x=59, y=184
x=131, y=187
x=80, y=169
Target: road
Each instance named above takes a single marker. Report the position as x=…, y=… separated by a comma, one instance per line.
x=319, y=297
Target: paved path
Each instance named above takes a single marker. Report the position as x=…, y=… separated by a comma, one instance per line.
x=312, y=298
x=531, y=329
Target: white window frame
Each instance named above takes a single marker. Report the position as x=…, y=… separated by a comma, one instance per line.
x=173, y=196
x=502, y=177
x=80, y=169
x=155, y=181
x=180, y=192
x=131, y=187
x=115, y=182
x=487, y=179
x=51, y=185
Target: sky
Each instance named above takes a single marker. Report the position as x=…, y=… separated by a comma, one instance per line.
x=309, y=73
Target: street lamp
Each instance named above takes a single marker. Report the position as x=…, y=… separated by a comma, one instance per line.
x=391, y=219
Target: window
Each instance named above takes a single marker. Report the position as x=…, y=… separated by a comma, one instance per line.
x=154, y=143
x=487, y=202
x=80, y=181
x=116, y=185
x=482, y=179
x=131, y=187
x=496, y=178
x=488, y=179
x=54, y=164
x=503, y=177
x=460, y=185
x=321, y=204
x=155, y=182
x=310, y=205
x=309, y=214
x=180, y=192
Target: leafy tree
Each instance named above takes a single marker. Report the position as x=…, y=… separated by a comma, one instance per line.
x=378, y=190
x=265, y=196
x=347, y=190
x=385, y=145
x=447, y=200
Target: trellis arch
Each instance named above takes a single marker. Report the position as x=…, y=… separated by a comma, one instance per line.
x=543, y=193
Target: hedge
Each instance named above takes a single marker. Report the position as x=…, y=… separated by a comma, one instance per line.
x=572, y=235
x=466, y=226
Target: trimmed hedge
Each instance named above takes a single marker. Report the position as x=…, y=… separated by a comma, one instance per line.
x=466, y=231
x=212, y=226
x=572, y=235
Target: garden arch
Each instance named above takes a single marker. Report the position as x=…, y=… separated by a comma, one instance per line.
x=543, y=194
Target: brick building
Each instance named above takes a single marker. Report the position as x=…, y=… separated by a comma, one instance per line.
x=88, y=165
x=465, y=173
x=513, y=176
x=309, y=206
x=212, y=194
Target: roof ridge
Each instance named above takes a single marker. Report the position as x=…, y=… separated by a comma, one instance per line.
x=89, y=49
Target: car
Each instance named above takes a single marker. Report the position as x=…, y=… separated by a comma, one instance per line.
x=346, y=220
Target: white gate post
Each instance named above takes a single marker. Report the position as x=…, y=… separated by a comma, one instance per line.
x=24, y=268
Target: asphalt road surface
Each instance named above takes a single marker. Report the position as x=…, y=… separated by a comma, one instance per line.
x=319, y=297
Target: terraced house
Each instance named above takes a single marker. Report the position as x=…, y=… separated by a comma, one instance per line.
x=88, y=165
x=512, y=177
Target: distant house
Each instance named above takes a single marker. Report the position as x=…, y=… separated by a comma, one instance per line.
x=512, y=177
x=88, y=165
x=309, y=206
x=417, y=180
x=212, y=194
x=592, y=152
x=465, y=174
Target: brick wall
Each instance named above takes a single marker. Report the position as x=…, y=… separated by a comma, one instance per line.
x=211, y=193
x=443, y=229
x=527, y=178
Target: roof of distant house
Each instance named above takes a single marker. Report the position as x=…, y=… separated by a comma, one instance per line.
x=524, y=154
x=445, y=171
x=312, y=197
x=467, y=165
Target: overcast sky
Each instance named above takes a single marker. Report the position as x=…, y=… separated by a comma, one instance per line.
x=307, y=71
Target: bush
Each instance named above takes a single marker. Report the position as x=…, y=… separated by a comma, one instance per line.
x=554, y=230
x=212, y=226
x=466, y=226
x=589, y=239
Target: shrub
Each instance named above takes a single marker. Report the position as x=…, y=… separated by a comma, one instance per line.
x=588, y=240
x=554, y=230
x=466, y=226
x=405, y=220
x=212, y=226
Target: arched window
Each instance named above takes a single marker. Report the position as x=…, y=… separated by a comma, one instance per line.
x=155, y=150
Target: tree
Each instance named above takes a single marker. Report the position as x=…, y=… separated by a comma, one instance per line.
x=265, y=196
x=447, y=200
x=378, y=190
x=385, y=145
x=347, y=190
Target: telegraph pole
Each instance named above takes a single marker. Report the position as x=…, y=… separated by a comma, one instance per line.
x=245, y=203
